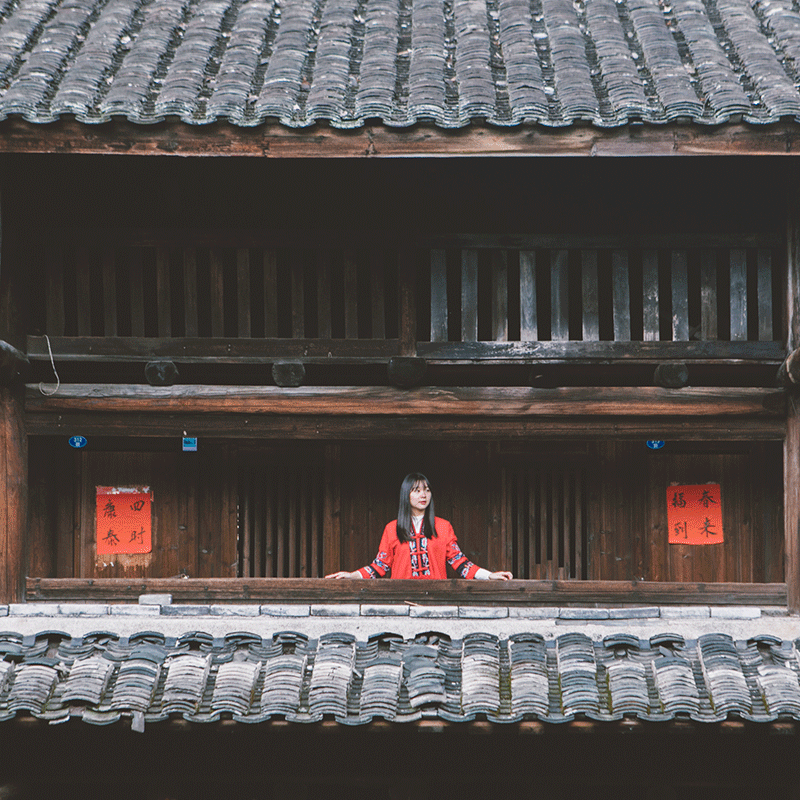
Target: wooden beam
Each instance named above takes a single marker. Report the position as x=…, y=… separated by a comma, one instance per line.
x=12, y=363
x=194, y=350
x=319, y=590
x=516, y=402
x=601, y=352
x=415, y=427
x=329, y=240
x=378, y=141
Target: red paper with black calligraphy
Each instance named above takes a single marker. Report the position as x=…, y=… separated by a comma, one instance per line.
x=124, y=519
x=694, y=514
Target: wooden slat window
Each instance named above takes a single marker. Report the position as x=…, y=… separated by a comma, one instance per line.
x=559, y=295
x=546, y=520
x=500, y=296
x=738, y=284
x=650, y=304
x=479, y=293
x=167, y=291
x=602, y=294
x=439, y=314
x=281, y=516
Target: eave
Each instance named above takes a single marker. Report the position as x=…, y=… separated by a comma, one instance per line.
x=120, y=137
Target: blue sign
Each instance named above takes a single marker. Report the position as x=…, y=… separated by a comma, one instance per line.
x=655, y=444
x=189, y=444
x=77, y=441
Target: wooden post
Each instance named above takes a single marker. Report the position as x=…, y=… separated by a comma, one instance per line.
x=791, y=447
x=14, y=491
x=13, y=455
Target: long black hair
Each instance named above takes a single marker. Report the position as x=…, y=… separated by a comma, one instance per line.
x=404, y=526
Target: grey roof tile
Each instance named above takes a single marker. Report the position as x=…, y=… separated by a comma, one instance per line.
x=547, y=62
x=137, y=76
x=234, y=687
x=617, y=68
x=104, y=678
x=185, y=683
x=778, y=92
x=378, y=73
x=183, y=86
x=248, y=45
x=524, y=79
x=283, y=80
x=662, y=59
x=92, y=69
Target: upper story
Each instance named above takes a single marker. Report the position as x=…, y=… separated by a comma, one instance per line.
x=517, y=328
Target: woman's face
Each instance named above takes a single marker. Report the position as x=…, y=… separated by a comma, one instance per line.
x=419, y=497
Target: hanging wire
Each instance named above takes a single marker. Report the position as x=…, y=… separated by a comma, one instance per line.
x=53, y=365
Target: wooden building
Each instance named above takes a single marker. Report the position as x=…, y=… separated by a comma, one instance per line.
x=507, y=244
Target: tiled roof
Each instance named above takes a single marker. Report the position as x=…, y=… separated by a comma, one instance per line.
x=147, y=677
x=545, y=62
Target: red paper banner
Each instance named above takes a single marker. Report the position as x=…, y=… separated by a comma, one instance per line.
x=124, y=519
x=694, y=514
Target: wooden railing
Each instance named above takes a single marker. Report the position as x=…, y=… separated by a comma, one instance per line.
x=483, y=593
x=255, y=298
x=597, y=300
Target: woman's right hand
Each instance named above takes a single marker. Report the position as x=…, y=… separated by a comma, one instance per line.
x=344, y=574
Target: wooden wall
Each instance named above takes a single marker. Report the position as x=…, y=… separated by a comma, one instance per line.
x=547, y=510
x=194, y=511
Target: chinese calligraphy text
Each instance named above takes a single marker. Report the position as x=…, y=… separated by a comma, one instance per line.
x=124, y=520
x=694, y=514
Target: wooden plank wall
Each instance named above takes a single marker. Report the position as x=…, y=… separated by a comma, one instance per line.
x=194, y=511
x=554, y=510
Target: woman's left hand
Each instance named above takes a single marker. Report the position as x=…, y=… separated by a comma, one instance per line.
x=500, y=576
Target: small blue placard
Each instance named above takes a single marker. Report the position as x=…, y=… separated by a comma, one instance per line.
x=189, y=444
x=77, y=441
x=655, y=444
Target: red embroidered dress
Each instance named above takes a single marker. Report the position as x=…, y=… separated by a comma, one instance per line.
x=421, y=557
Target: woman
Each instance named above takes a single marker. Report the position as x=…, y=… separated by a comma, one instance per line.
x=418, y=544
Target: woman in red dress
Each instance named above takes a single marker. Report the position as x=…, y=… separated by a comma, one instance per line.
x=419, y=544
